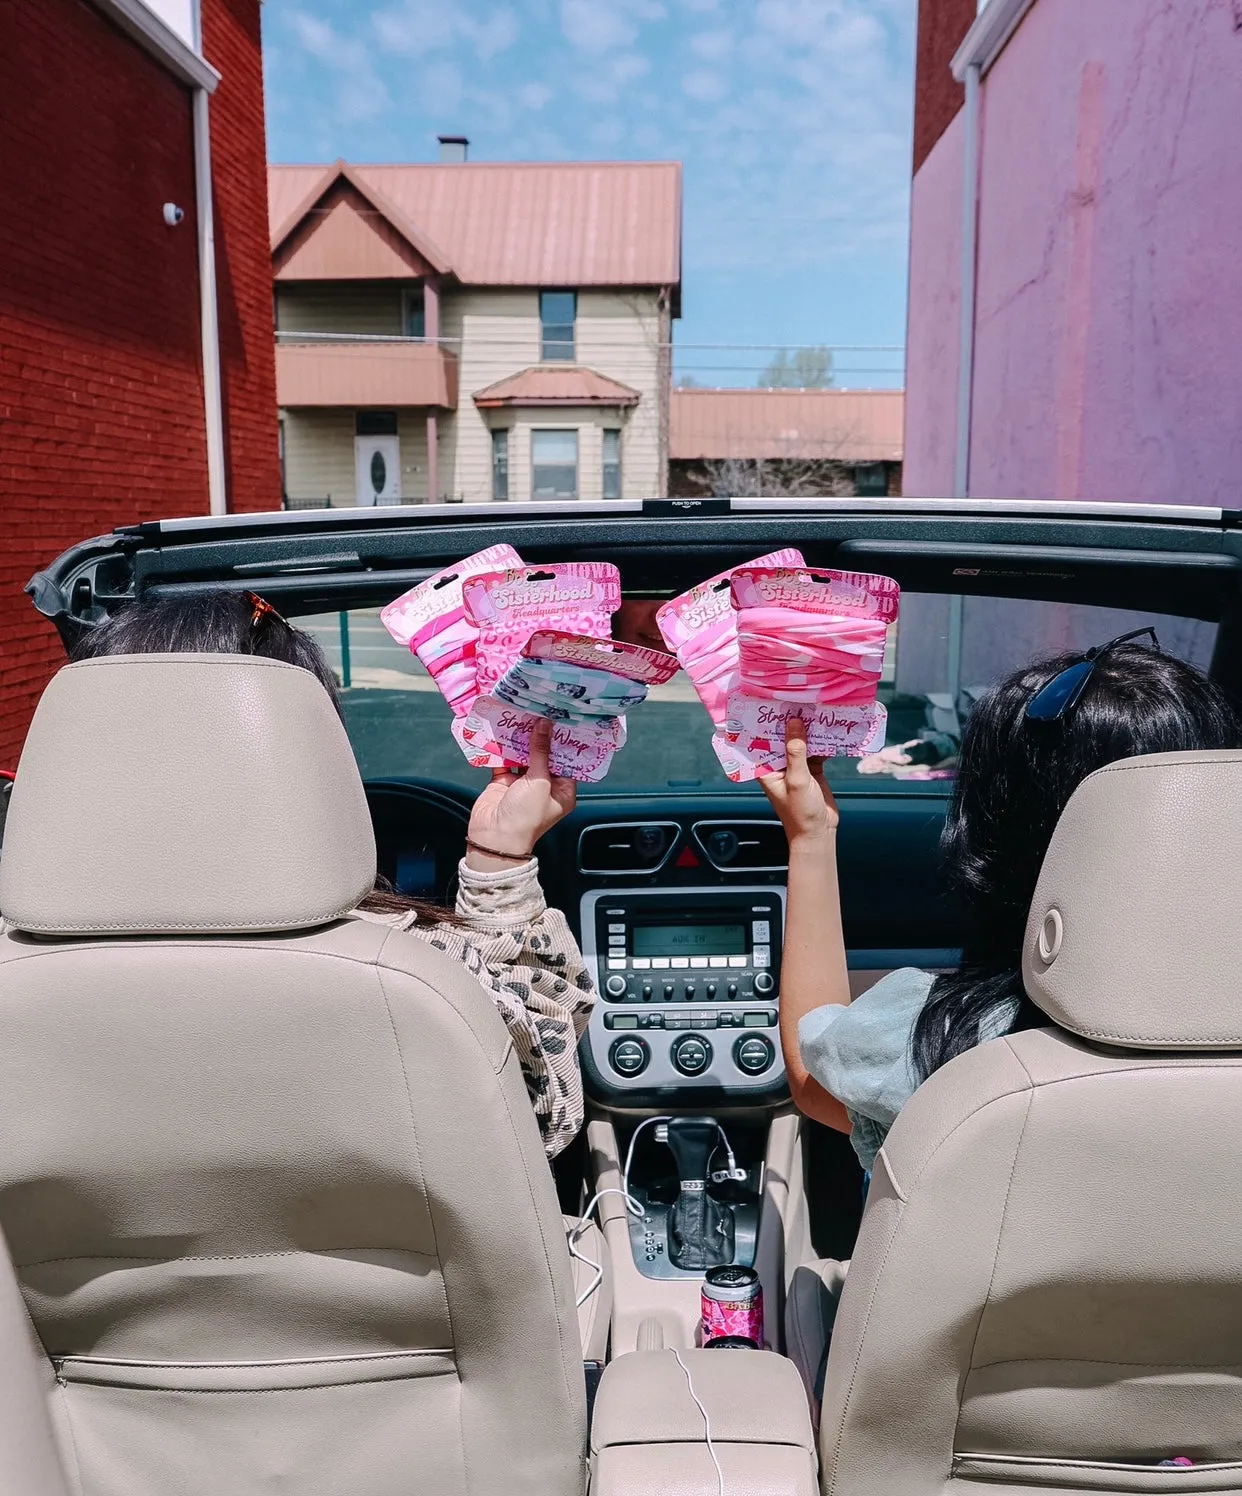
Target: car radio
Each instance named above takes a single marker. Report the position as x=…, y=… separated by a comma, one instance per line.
x=688, y=987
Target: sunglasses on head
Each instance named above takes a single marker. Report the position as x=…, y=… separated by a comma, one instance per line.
x=1063, y=692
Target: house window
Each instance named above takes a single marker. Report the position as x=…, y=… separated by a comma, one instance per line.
x=554, y=464
x=612, y=463
x=413, y=313
x=871, y=480
x=500, y=464
x=558, y=311
x=375, y=423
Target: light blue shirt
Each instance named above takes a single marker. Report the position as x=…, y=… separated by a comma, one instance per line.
x=861, y=1053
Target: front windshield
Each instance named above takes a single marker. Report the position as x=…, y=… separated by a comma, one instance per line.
x=943, y=652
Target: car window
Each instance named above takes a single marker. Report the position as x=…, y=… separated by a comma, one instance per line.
x=943, y=652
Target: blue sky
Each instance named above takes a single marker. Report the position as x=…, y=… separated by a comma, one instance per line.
x=792, y=119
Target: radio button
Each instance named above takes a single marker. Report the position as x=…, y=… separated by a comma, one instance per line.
x=615, y=986
x=737, y=960
x=617, y=940
x=615, y=964
x=679, y=963
x=761, y=929
x=629, y=1056
x=641, y=963
x=718, y=961
x=616, y=929
x=691, y=1055
x=659, y=963
x=698, y=962
x=763, y=981
x=761, y=955
x=753, y=1055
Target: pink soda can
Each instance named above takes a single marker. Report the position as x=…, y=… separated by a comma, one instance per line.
x=732, y=1304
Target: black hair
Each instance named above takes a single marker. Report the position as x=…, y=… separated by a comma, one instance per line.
x=236, y=623
x=207, y=623
x=1013, y=781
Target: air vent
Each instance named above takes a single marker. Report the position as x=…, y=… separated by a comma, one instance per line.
x=629, y=847
x=743, y=846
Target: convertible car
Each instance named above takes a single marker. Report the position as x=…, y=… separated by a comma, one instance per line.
x=276, y=1213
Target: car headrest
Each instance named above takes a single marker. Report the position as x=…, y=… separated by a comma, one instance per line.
x=1134, y=937
x=169, y=794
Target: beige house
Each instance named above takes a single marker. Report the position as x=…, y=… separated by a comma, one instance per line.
x=474, y=332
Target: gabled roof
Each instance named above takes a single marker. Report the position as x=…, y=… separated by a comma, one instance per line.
x=612, y=223
x=567, y=384
x=844, y=425
x=341, y=183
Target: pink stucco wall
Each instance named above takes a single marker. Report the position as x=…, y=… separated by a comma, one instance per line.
x=1108, y=355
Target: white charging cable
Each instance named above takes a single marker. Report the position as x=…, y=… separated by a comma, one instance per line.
x=707, y=1424
x=631, y=1204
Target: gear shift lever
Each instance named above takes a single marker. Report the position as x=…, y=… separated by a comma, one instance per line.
x=700, y=1229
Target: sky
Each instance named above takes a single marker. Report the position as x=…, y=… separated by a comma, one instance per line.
x=792, y=119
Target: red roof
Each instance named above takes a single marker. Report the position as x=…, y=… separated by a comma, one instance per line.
x=848, y=425
x=515, y=224
x=568, y=384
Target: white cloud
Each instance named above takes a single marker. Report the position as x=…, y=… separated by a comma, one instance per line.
x=534, y=95
x=609, y=78
x=601, y=25
x=414, y=28
x=704, y=87
x=712, y=45
x=359, y=93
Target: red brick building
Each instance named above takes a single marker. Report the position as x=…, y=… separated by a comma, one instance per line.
x=137, y=377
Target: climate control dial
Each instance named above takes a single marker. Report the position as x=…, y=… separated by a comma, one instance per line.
x=691, y=1055
x=629, y=1056
x=753, y=1054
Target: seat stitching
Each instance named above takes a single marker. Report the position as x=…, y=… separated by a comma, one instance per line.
x=431, y=1214
x=1000, y=1232
x=849, y=1393
x=217, y=1256
x=1097, y=1361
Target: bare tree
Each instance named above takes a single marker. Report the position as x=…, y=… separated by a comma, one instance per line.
x=807, y=369
x=765, y=477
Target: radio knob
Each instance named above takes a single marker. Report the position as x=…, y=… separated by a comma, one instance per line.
x=691, y=1055
x=629, y=1056
x=668, y=992
x=763, y=981
x=615, y=985
x=732, y=989
x=753, y=1054
x=688, y=994
x=646, y=992
x=710, y=990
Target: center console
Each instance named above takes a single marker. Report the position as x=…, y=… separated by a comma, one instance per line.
x=688, y=980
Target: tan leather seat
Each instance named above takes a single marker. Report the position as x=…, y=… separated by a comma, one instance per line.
x=269, y=1175
x=1047, y=1289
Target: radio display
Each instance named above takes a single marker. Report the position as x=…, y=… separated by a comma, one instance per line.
x=689, y=940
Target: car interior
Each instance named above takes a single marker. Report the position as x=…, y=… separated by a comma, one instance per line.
x=275, y=1213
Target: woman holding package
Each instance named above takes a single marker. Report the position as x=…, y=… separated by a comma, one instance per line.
x=1028, y=744
x=520, y=951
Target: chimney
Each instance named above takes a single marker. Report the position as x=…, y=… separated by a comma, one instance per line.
x=453, y=147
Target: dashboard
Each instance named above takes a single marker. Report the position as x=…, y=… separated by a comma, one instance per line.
x=678, y=901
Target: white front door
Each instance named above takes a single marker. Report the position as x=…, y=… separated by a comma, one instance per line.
x=377, y=464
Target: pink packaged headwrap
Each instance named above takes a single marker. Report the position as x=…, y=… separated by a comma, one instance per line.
x=700, y=627
x=577, y=597
x=432, y=622
x=810, y=645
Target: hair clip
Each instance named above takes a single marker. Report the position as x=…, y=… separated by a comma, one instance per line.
x=262, y=609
